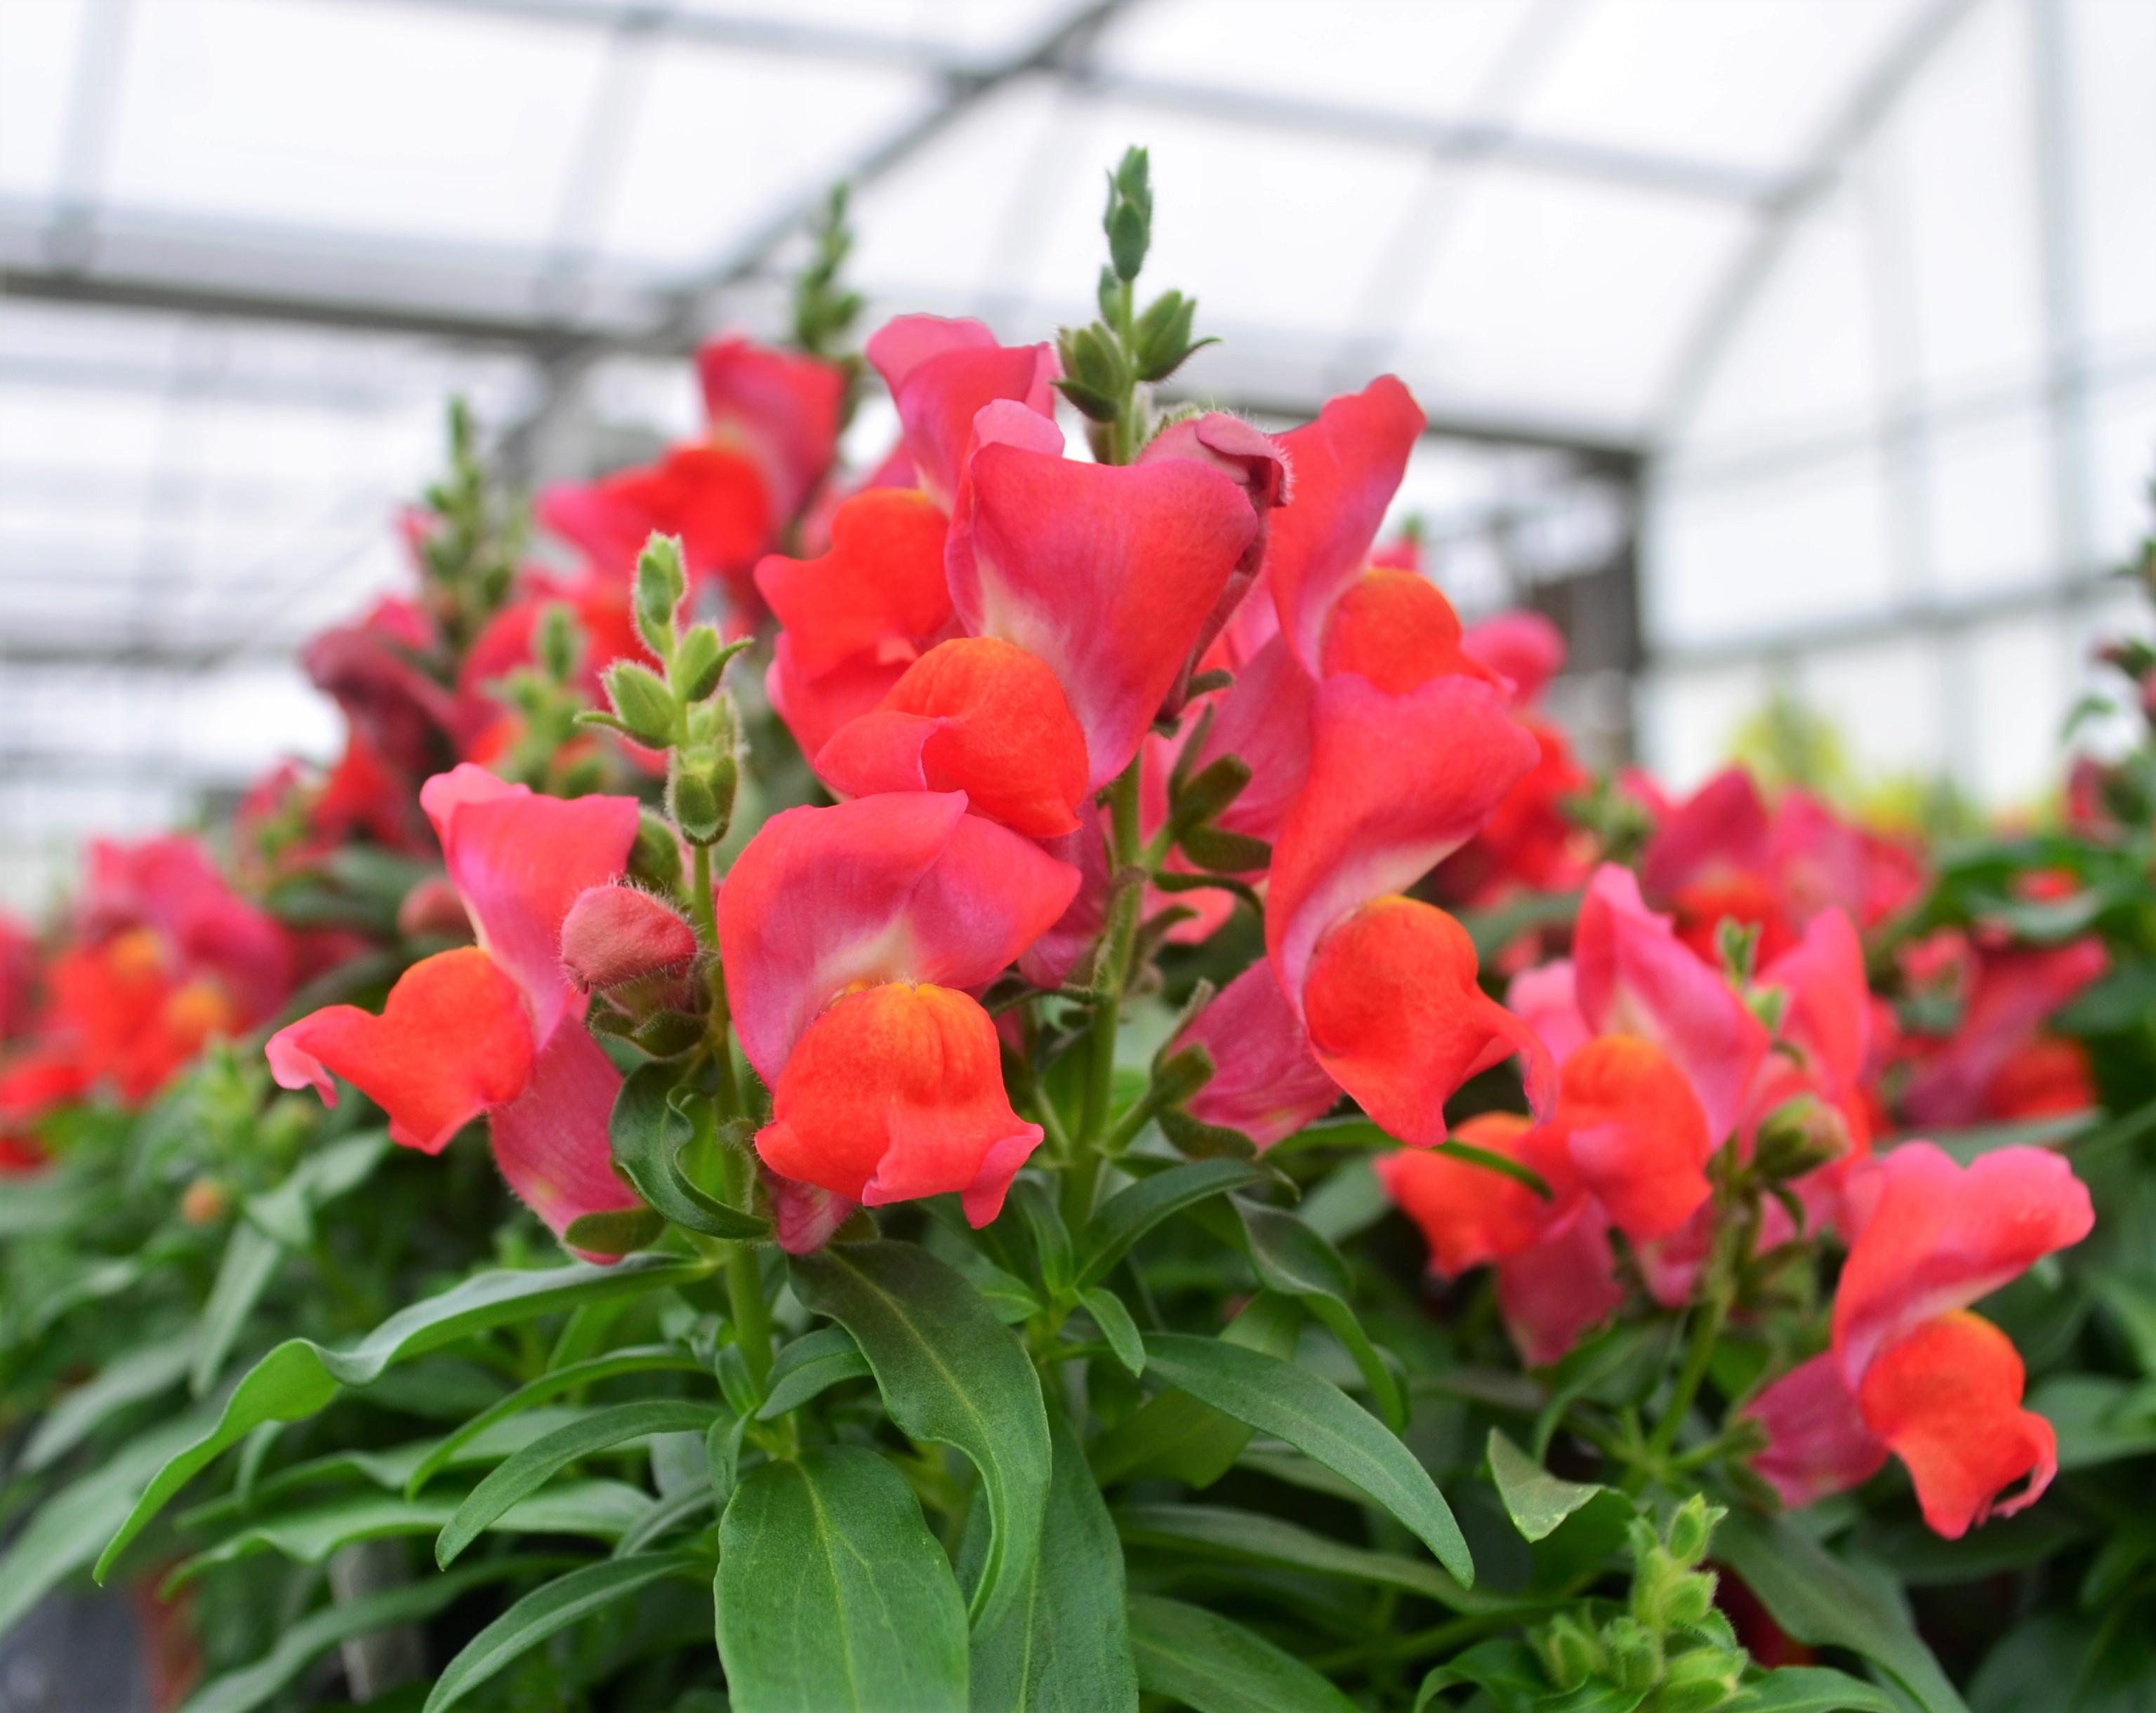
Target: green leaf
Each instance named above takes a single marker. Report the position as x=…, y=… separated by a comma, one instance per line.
x=663, y=1515
x=1320, y=1421
x=1502, y=1668
x=638, y=1359
x=128, y=1379
x=647, y=1133
x=250, y=1259
x=547, y=1610
x=1813, y=1689
x=603, y=1510
x=1535, y=1500
x=1117, y=1326
x=1251, y=1537
x=1173, y=1436
x=1349, y=1201
x=1043, y=1224
x=1128, y=1214
x=2100, y=1418
x=1292, y=1259
x=524, y=1472
x=832, y=1595
x=1214, y=1666
x=1818, y=1601
x=949, y=1371
x=299, y=1378
x=64, y=1533
x=810, y=1365
x=298, y=1645
x=615, y=1231
x=1063, y=1645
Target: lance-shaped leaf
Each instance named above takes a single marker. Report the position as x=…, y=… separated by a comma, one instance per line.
x=832, y=1597
x=250, y=1258
x=1130, y=1213
x=523, y=1474
x=949, y=1372
x=637, y=1359
x=1175, y=1437
x=1064, y=1645
x=1252, y=1537
x=1212, y=1666
x=1321, y=1421
x=140, y=1375
x=546, y=1610
x=300, y=1378
x=1817, y=1600
x=810, y=1365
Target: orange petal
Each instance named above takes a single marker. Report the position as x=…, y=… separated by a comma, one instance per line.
x=1469, y=1214
x=897, y=1091
x=1947, y=1399
x=1639, y=1137
x=1397, y=629
x=453, y=1041
x=882, y=582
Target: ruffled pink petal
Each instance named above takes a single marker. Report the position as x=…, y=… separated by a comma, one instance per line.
x=1828, y=1013
x=1265, y=718
x=1635, y=977
x=1266, y=1082
x=1546, y=1000
x=1347, y=466
x=1723, y=826
x=1565, y=1283
x=1396, y=785
x=779, y=409
x=942, y=374
x=551, y=1142
x=1048, y=961
x=2016, y=993
x=903, y=886
x=1817, y=1442
x=1105, y=571
x=804, y=1214
x=1929, y=1237
x=518, y=861
x=1522, y=647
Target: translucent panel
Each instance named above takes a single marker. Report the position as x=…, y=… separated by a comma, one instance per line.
x=1964, y=214
x=1887, y=704
x=38, y=44
x=1276, y=234
x=1688, y=720
x=1741, y=559
x=1802, y=359
x=1989, y=493
x=721, y=140
x=2122, y=437
x=1565, y=300
x=944, y=227
x=352, y=117
x=1406, y=57
x=2112, y=68
x=1747, y=82
x=2020, y=695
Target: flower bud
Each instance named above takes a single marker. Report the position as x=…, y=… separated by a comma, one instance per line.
x=1571, y=1653
x=701, y=792
x=1700, y=1681
x=643, y=703
x=1691, y=1527
x=661, y=583
x=1798, y=1137
x=1635, y=1653
x=614, y=935
x=432, y=910
x=203, y=1202
x=700, y=662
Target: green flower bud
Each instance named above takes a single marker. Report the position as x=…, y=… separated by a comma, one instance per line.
x=560, y=642
x=700, y=661
x=1798, y=1137
x=660, y=584
x=1701, y=1681
x=643, y=703
x=1571, y=1653
x=1635, y=1653
x=700, y=789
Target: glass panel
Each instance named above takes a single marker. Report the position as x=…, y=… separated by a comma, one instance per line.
x=426, y=122
x=38, y=45
x=2111, y=69
x=1989, y=489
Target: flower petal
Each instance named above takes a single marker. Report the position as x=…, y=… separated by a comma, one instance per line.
x=1396, y=784
x=1947, y=1399
x=902, y=886
x=1265, y=1083
x=895, y=1093
x=1817, y=1442
x=1637, y=1134
x=551, y=1142
x=1635, y=977
x=1347, y=466
x=972, y=714
x=453, y=1041
x=1105, y=571
x=778, y=408
x=942, y=374
x=1397, y=629
x=1554, y=1291
x=518, y=861
x=878, y=592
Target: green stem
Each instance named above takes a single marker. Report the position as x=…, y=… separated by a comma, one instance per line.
x=752, y=1317
x=1707, y=1328
x=1110, y=975
x=703, y=908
